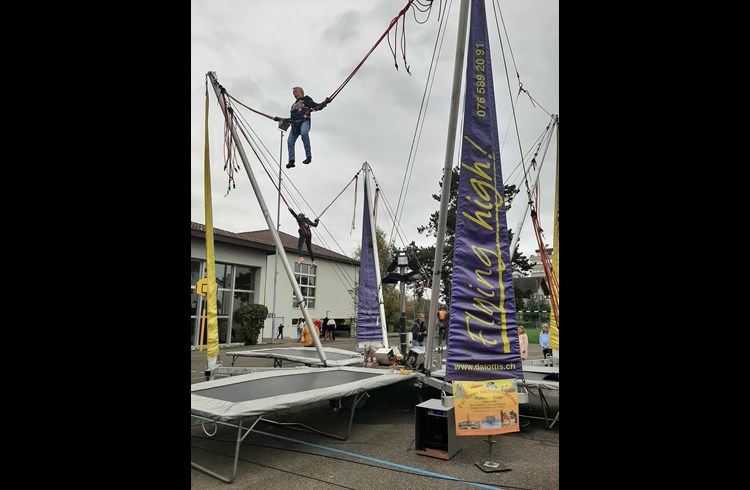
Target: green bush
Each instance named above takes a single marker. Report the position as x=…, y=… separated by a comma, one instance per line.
x=248, y=319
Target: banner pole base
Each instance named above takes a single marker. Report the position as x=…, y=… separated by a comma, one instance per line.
x=493, y=466
x=490, y=466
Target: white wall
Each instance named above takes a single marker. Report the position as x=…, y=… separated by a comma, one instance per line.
x=225, y=252
x=334, y=279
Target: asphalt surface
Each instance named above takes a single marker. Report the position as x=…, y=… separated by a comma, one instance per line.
x=379, y=451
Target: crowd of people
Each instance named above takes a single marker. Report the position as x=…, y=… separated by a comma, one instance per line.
x=326, y=330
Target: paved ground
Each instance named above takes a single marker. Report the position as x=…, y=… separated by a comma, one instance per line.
x=379, y=452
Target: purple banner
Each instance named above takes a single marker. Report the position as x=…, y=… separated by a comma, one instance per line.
x=368, y=308
x=483, y=341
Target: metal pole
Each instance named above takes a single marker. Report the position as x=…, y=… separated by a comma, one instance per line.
x=269, y=222
x=276, y=258
x=402, y=329
x=534, y=183
x=463, y=18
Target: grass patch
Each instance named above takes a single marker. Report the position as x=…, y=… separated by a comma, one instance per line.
x=533, y=334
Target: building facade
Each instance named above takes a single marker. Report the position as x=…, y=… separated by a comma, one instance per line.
x=529, y=312
x=246, y=265
x=538, y=268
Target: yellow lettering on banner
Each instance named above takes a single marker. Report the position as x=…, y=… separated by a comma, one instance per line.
x=485, y=198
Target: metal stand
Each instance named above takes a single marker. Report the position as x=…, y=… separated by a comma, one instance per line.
x=548, y=419
x=356, y=399
x=283, y=126
x=545, y=407
x=491, y=466
x=240, y=437
x=243, y=432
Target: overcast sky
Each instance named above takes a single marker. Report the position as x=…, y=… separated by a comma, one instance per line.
x=260, y=49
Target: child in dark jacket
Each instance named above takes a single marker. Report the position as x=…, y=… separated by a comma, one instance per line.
x=304, y=224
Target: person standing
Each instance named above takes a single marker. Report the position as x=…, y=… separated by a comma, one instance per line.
x=422, y=330
x=332, y=328
x=544, y=341
x=418, y=331
x=299, y=116
x=441, y=327
x=300, y=322
x=307, y=340
x=523, y=342
x=280, y=335
x=307, y=337
x=305, y=235
x=324, y=328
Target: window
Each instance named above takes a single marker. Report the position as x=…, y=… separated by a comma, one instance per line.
x=236, y=286
x=305, y=276
x=223, y=275
x=245, y=280
x=195, y=272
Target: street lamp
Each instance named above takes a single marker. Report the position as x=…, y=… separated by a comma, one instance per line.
x=283, y=125
x=402, y=263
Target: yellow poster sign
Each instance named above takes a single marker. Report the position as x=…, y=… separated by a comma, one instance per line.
x=486, y=407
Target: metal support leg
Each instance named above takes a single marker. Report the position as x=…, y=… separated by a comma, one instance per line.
x=240, y=437
x=547, y=411
x=305, y=428
x=545, y=407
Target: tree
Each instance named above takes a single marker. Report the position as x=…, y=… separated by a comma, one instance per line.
x=519, y=261
x=523, y=296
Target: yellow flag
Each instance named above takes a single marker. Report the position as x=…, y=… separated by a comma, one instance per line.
x=212, y=342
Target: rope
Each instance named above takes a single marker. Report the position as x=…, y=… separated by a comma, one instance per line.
x=548, y=271
x=354, y=215
x=375, y=205
x=394, y=21
x=420, y=120
x=265, y=169
x=246, y=107
x=342, y=191
x=228, y=113
x=230, y=118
